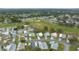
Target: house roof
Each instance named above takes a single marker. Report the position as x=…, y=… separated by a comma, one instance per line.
x=11, y=47
x=54, y=34
x=54, y=46
x=46, y=34
x=40, y=34
x=43, y=45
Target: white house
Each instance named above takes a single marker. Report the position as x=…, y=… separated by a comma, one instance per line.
x=62, y=35
x=25, y=34
x=77, y=49
x=34, y=44
x=59, y=39
x=52, y=38
x=54, y=46
x=52, y=42
x=46, y=35
x=20, y=31
x=21, y=46
x=11, y=47
x=5, y=33
x=43, y=45
x=39, y=35
x=54, y=34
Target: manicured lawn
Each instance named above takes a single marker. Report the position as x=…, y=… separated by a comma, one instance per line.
x=41, y=24
x=73, y=48
x=61, y=47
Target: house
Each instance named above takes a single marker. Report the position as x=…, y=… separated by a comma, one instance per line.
x=21, y=46
x=38, y=38
x=69, y=36
x=39, y=35
x=55, y=34
x=77, y=49
x=34, y=44
x=5, y=41
x=62, y=35
x=5, y=33
x=14, y=34
x=68, y=21
x=6, y=37
x=29, y=44
x=25, y=34
x=30, y=29
x=25, y=26
x=76, y=23
x=46, y=35
x=54, y=45
x=53, y=20
x=78, y=38
x=11, y=47
x=13, y=39
x=32, y=35
x=42, y=45
x=67, y=41
x=59, y=39
x=52, y=38
x=3, y=29
x=20, y=31
x=52, y=42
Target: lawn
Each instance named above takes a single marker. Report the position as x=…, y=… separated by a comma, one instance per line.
x=10, y=25
x=73, y=47
x=41, y=24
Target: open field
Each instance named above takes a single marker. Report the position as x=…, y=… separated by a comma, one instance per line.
x=41, y=24
x=9, y=25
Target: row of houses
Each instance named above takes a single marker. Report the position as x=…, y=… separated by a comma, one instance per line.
x=9, y=37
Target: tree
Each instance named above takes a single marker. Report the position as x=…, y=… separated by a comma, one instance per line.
x=15, y=19
x=73, y=40
x=52, y=30
x=45, y=28
x=59, y=30
x=1, y=19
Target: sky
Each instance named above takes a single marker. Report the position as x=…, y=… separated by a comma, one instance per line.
x=39, y=3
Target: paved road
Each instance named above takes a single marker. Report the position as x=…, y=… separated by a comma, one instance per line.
x=66, y=46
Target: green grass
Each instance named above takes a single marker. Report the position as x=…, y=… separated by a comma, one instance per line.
x=10, y=25
x=67, y=30
x=61, y=47
x=73, y=48
x=40, y=26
